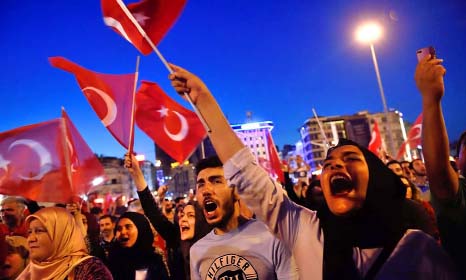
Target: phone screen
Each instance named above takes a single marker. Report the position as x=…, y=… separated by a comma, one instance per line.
x=421, y=53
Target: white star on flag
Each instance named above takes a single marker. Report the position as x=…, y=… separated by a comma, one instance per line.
x=163, y=111
x=141, y=18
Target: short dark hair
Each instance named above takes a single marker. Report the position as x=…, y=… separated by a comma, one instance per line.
x=461, y=141
x=393, y=161
x=112, y=218
x=411, y=164
x=210, y=162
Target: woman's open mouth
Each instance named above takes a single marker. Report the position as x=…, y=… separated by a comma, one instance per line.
x=340, y=184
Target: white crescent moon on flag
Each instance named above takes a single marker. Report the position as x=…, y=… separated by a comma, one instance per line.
x=418, y=128
x=111, y=106
x=117, y=25
x=75, y=159
x=183, y=130
x=45, y=158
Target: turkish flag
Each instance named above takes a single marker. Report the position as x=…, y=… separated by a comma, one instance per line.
x=152, y=17
x=110, y=95
x=376, y=140
x=84, y=166
x=175, y=129
x=414, y=137
x=35, y=162
x=275, y=163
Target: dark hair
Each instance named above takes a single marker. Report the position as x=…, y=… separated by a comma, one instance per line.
x=411, y=164
x=112, y=218
x=23, y=252
x=393, y=161
x=462, y=140
x=210, y=162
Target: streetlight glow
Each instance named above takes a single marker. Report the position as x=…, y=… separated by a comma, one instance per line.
x=369, y=33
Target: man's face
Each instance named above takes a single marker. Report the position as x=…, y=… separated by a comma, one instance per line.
x=216, y=198
x=14, y=264
x=396, y=168
x=419, y=167
x=344, y=180
x=106, y=226
x=11, y=213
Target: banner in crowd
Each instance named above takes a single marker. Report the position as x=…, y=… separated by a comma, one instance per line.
x=146, y=19
x=175, y=129
x=47, y=162
x=110, y=95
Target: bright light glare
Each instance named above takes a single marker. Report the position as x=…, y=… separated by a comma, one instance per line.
x=368, y=33
x=140, y=157
x=97, y=181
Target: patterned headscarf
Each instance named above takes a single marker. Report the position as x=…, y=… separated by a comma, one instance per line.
x=68, y=242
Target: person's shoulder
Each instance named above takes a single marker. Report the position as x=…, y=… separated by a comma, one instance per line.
x=92, y=268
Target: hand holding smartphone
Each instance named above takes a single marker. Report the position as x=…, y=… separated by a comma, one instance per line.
x=421, y=53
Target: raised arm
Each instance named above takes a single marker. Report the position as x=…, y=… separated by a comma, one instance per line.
x=443, y=181
x=223, y=137
x=169, y=231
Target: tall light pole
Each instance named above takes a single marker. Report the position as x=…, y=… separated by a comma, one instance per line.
x=369, y=33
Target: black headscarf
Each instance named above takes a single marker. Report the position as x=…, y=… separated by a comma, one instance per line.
x=123, y=261
x=201, y=228
x=378, y=223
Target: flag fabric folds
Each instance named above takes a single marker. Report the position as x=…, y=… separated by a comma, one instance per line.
x=110, y=95
x=414, y=137
x=47, y=162
x=152, y=17
x=273, y=166
x=83, y=164
x=175, y=129
x=376, y=140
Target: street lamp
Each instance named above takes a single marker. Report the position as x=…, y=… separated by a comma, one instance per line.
x=369, y=33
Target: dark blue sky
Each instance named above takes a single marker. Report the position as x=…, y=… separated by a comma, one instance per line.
x=278, y=59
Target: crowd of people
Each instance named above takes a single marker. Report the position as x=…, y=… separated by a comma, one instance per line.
x=362, y=218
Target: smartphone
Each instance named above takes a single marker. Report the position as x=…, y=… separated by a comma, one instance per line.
x=421, y=53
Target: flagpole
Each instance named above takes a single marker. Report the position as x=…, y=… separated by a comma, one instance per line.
x=321, y=129
x=131, y=127
x=164, y=61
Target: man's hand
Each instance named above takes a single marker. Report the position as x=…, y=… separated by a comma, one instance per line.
x=186, y=82
x=429, y=79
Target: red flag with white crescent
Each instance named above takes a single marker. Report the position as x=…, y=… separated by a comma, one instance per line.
x=414, y=137
x=32, y=161
x=110, y=95
x=86, y=170
x=153, y=17
x=376, y=139
x=35, y=162
x=275, y=163
x=175, y=129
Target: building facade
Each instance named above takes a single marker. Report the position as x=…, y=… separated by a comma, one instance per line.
x=317, y=135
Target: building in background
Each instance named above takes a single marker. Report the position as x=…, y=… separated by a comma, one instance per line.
x=254, y=135
x=318, y=135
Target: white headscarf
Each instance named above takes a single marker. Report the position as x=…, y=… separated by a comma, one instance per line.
x=68, y=242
